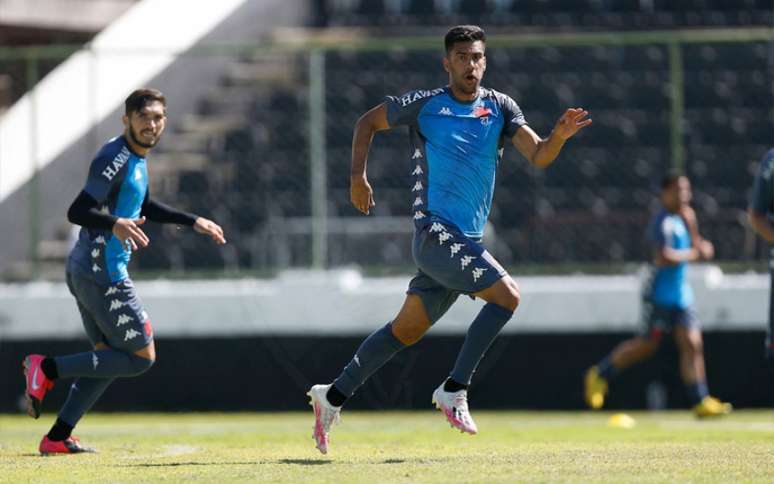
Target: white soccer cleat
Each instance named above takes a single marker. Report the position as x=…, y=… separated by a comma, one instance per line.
x=455, y=406
x=325, y=415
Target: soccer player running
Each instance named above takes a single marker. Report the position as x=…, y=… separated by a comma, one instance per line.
x=667, y=303
x=111, y=210
x=457, y=135
x=760, y=213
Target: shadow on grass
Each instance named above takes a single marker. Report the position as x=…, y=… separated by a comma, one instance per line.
x=301, y=462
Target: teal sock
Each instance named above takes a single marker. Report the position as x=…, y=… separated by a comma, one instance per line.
x=374, y=352
x=480, y=335
x=103, y=363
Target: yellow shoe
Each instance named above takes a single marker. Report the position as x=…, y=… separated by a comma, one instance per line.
x=595, y=388
x=712, y=407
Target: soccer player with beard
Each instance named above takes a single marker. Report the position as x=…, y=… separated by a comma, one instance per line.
x=111, y=210
x=457, y=135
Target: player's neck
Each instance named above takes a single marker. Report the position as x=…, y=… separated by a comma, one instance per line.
x=461, y=96
x=135, y=148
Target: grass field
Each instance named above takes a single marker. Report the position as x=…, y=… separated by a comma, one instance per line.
x=398, y=447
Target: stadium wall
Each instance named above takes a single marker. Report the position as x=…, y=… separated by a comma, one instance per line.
x=258, y=345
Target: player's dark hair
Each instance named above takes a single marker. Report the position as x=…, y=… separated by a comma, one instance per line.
x=463, y=33
x=670, y=179
x=141, y=97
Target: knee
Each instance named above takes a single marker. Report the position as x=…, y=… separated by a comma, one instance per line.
x=511, y=297
x=140, y=365
x=407, y=333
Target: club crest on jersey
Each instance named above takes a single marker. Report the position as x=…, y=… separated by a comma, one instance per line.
x=482, y=113
x=118, y=162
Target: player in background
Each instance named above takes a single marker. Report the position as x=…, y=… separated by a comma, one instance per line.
x=111, y=210
x=457, y=136
x=667, y=303
x=760, y=213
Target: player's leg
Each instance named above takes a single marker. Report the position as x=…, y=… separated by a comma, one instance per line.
x=463, y=265
x=624, y=355
x=119, y=316
x=407, y=328
x=690, y=346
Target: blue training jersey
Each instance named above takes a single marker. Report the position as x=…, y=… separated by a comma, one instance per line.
x=669, y=286
x=455, y=149
x=118, y=181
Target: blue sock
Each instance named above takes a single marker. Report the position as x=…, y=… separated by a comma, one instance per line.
x=606, y=369
x=84, y=392
x=697, y=391
x=103, y=363
x=480, y=335
x=374, y=352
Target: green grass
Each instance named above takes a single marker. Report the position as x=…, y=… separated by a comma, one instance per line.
x=398, y=447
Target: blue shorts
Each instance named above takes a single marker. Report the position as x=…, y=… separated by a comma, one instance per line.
x=112, y=314
x=658, y=320
x=449, y=264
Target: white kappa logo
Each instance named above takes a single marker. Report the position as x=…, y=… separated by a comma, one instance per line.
x=95, y=253
x=116, y=304
x=112, y=290
x=466, y=260
x=419, y=215
x=95, y=268
x=123, y=319
x=417, y=154
x=443, y=237
x=94, y=360
x=417, y=201
x=417, y=170
x=100, y=240
x=445, y=111
x=477, y=272
x=455, y=248
x=417, y=186
x=437, y=227
x=131, y=334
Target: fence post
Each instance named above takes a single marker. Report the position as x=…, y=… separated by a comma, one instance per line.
x=317, y=163
x=677, y=106
x=32, y=74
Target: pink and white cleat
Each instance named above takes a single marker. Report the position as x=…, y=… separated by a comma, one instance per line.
x=37, y=384
x=325, y=415
x=70, y=445
x=455, y=406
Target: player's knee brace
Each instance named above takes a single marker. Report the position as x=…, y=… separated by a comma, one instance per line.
x=140, y=365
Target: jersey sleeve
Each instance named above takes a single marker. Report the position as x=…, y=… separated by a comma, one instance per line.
x=404, y=110
x=514, y=118
x=762, y=187
x=100, y=179
x=660, y=232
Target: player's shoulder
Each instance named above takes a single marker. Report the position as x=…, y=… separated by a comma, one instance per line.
x=497, y=96
x=112, y=149
x=767, y=164
x=111, y=157
x=416, y=95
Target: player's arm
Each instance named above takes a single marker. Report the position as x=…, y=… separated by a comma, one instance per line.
x=667, y=256
x=542, y=152
x=84, y=211
x=704, y=246
x=157, y=211
x=761, y=224
x=361, y=194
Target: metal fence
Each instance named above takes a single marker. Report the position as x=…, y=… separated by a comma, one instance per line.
x=265, y=148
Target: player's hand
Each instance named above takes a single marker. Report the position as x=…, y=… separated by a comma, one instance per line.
x=128, y=231
x=572, y=121
x=706, y=249
x=208, y=227
x=361, y=194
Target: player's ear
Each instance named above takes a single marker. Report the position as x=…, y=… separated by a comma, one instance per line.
x=125, y=120
x=446, y=63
